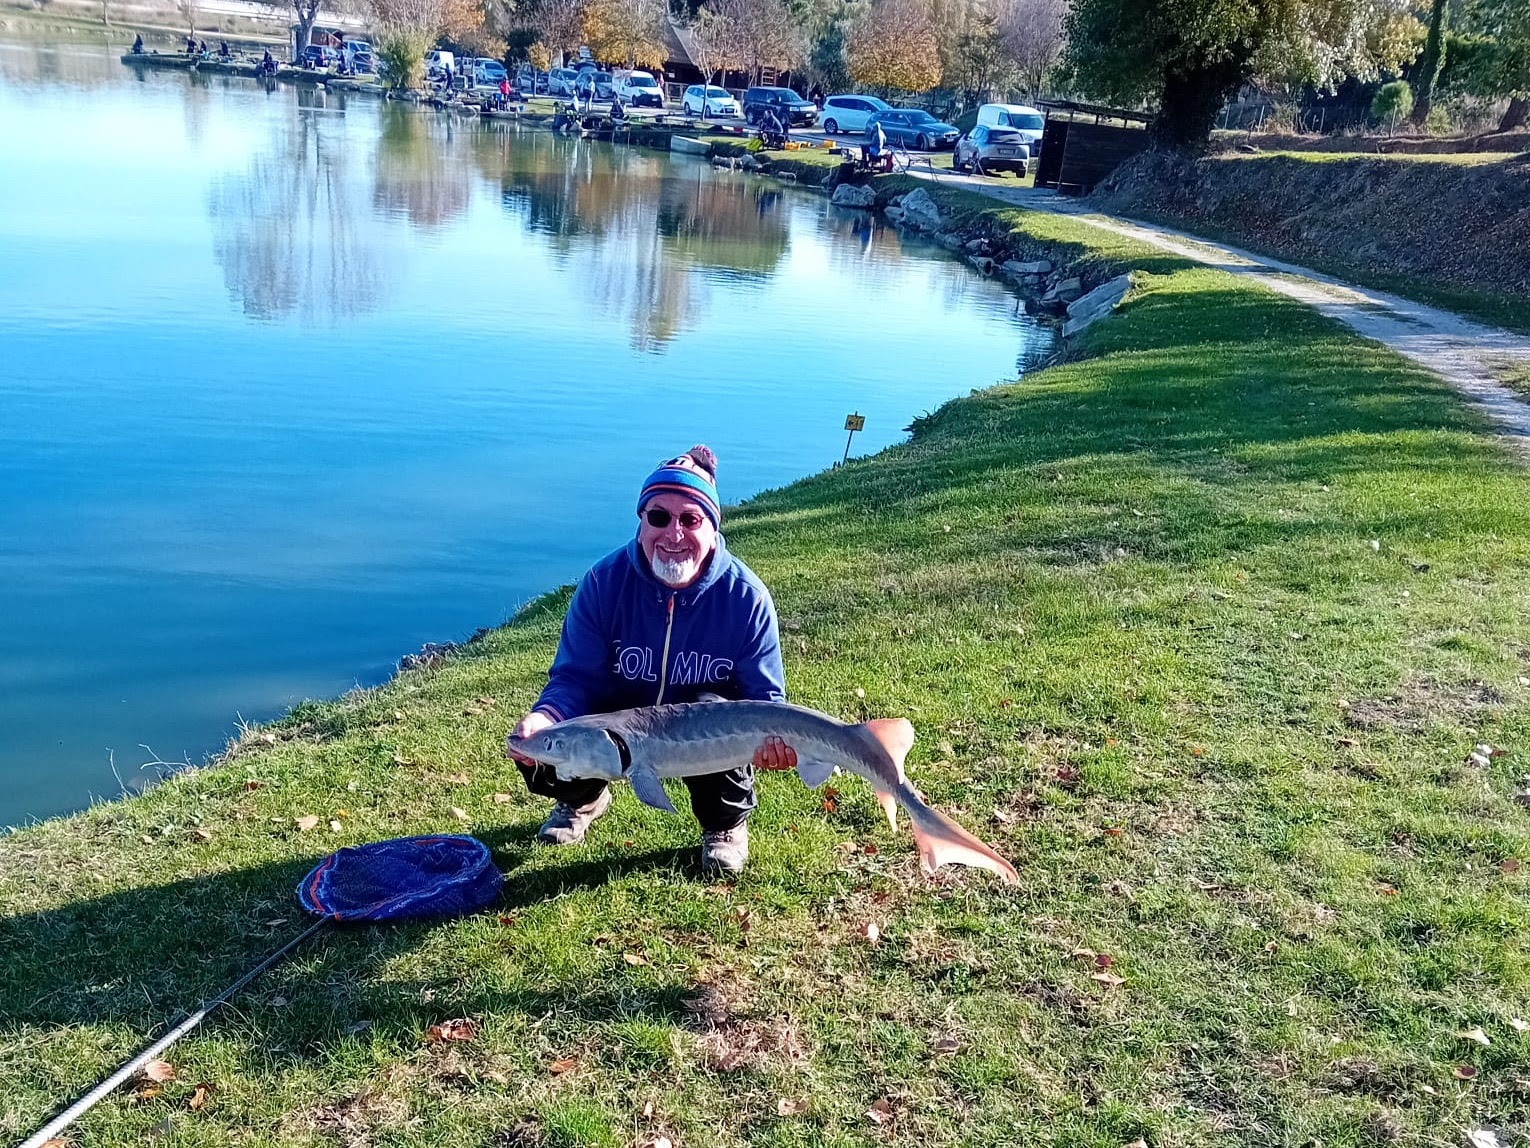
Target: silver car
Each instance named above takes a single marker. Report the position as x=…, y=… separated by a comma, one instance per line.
x=987, y=149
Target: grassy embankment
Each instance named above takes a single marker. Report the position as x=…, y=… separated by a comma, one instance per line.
x=1442, y=229
x=1198, y=630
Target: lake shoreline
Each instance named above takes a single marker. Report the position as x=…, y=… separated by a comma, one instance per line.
x=1192, y=626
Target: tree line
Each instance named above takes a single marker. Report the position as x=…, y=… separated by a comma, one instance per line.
x=1183, y=60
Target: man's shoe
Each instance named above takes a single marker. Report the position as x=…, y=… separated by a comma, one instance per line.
x=725, y=852
x=566, y=824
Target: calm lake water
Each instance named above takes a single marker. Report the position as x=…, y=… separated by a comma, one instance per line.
x=293, y=383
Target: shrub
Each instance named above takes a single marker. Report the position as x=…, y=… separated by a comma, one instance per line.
x=1392, y=102
x=401, y=57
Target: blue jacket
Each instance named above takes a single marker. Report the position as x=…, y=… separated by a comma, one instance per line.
x=720, y=632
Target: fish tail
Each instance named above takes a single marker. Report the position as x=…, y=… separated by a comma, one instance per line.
x=942, y=841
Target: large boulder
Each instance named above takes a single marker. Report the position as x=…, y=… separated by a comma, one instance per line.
x=1039, y=267
x=1097, y=304
x=852, y=195
x=919, y=211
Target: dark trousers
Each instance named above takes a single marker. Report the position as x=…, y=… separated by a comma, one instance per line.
x=720, y=801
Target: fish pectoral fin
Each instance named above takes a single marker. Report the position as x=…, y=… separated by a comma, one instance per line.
x=814, y=771
x=650, y=790
x=889, y=805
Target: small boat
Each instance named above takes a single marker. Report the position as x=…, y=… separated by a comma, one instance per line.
x=689, y=146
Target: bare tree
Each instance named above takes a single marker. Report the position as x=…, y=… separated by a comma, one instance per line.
x=1031, y=37
x=762, y=34
x=711, y=41
x=559, y=26
x=307, y=12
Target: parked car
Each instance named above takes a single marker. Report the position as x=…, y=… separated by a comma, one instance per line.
x=488, y=72
x=708, y=100
x=915, y=128
x=986, y=149
x=316, y=56
x=362, y=59
x=637, y=89
x=437, y=62
x=1028, y=121
x=786, y=103
x=560, y=82
x=850, y=113
x=593, y=85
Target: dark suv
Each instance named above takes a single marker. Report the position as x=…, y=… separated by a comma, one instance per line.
x=785, y=102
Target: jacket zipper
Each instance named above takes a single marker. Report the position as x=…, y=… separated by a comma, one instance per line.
x=669, y=628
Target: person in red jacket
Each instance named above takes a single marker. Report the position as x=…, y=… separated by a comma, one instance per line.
x=666, y=618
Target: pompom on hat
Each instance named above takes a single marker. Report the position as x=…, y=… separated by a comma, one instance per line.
x=693, y=475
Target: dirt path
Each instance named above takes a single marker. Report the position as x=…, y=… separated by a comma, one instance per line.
x=1468, y=355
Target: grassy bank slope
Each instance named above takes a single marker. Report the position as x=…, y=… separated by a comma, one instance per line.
x=1199, y=631
x=1452, y=231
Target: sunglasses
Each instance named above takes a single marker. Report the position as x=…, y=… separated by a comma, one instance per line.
x=659, y=518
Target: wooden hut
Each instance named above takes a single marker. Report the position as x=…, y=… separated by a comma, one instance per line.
x=1083, y=143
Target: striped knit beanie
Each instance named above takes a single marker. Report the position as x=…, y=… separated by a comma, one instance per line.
x=692, y=474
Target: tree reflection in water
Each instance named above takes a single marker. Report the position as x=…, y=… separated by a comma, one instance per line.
x=417, y=176
x=643, y=235
x=291, y=233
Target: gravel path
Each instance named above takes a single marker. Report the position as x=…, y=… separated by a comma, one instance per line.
x=1468, y=355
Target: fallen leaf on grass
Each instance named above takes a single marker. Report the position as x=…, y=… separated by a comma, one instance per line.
x=1482, y=1138
x=871, y=931
x=657, y=1140
x=159, y=1071
x=946, y=1046
x=647, y=1109
x=1112, y=831
x=559, y=1067
x=1477, y=1035
x=306, y=823
x=501, y=798
x=1109, y=980
x=335, y=826
x=1463, y=1072
x=457, y=778
x=634, y=959
x=56, y=1142
x=1517, y=1024
x=787, y=1106
x=1137, y=1143
x=459, y=813
x=202, y=834
x=199, y=1097
x=458, y=1028
x=1510, y=865
x=880, y=1112
x=147, y=1091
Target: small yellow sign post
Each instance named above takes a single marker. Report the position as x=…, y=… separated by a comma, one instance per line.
x=853, y=423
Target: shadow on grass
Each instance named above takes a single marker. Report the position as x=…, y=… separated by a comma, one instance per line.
x=143, y=957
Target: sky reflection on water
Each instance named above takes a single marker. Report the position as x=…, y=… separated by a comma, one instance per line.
x=294, y=383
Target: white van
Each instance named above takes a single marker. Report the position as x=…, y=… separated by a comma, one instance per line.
x=637, y=89
x=1028, y=121
x=437, y=63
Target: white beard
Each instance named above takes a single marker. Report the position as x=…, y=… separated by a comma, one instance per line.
x=674, y=573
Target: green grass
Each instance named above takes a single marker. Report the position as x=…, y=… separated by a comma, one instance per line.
x=1197, y=628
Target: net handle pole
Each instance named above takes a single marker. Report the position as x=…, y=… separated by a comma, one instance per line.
x=85, y=1103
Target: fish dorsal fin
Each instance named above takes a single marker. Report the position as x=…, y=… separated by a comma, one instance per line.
x=649, y=789
x=895, y=735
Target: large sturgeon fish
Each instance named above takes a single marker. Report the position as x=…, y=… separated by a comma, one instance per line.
x=645, y=745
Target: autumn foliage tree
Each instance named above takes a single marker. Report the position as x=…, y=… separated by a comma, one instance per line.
x=894, y=48
x=632, y=31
